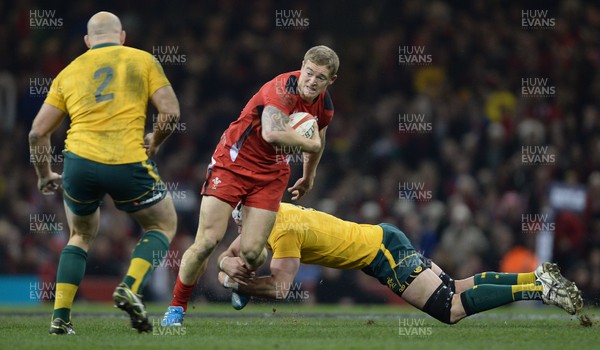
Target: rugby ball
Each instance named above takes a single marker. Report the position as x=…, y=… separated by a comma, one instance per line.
x=304, y=124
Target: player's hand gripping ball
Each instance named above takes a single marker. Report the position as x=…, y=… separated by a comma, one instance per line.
x=304, y=123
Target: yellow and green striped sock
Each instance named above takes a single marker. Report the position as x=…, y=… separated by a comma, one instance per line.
x=71, y=269
x=502, y=278
x=489, y=296
x=147, y=255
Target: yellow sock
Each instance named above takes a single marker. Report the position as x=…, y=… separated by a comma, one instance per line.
x=65, y=294
x=528, y=291
x=136, y=273
x=526, y=278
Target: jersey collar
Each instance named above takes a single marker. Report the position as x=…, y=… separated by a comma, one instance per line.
x=103, y=45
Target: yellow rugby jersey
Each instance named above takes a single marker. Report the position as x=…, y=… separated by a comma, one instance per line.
x=106, y=91
x=319, y=238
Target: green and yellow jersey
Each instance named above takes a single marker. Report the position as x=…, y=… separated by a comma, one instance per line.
x=106, y=91
x=319, y=238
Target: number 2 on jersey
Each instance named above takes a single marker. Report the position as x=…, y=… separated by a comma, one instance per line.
x=108, y=75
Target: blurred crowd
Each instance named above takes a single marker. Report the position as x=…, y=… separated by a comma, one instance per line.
x=482, y=163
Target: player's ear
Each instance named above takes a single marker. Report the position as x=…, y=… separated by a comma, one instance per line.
x=86, y=39
x=122, y=37
x=332, y=79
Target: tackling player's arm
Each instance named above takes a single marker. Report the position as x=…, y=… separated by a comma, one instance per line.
x=230, y=262
x=275, y=286
x=311, y=161
x=44, y=124
x=277, y=132
x=165, y=101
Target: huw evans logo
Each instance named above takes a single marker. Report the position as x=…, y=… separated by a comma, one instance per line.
x=290, y=155
x=168, y=55
x=39, y=86
x=45, y=224
x=413, y=55
x=537, y=155
x=413, y=123
x=294, y=291
x=166, y=260
x=414, y=191
x=534, y=223
x=413, y=327
x=48, y=154
x=290, y=19
x=44, y=19
x=537, y=87
x=40, y=291
x=536, y=19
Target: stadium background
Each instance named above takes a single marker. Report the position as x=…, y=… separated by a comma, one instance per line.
x=471, y=187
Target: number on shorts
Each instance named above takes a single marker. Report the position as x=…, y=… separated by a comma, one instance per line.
x=108, y=71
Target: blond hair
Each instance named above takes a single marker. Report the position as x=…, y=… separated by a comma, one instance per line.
x=323, y=56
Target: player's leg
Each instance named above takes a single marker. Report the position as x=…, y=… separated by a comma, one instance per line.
x=257, y=226
x=82, y=198
x=159, y=223
x=557, y=290
x=500, y=278
x=214, y=217
x=259, y=213
x=221, y=192
x=401, y=268
x=454, y=285
x=137, y=189
x=71, y=267
x=428, y=293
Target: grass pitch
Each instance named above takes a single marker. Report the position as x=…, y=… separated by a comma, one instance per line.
x=295, y=326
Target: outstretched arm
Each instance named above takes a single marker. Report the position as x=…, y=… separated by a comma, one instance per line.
x=275, y=286
x=232, y=265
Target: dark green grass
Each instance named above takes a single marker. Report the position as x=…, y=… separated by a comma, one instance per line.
x=281, y=326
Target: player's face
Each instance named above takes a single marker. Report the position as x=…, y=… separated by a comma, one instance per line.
x=314, y=79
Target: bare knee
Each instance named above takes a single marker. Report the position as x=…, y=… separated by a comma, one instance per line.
x=255, y=257
x=203, y=248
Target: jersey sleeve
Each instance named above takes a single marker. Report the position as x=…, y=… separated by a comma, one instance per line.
x=327, y=114
x=284, y=244
x=55, y=96
x=274, y=93
x=156, y=77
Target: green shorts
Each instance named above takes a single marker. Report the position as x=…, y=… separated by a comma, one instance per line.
x=132, y=186
x=397, y=263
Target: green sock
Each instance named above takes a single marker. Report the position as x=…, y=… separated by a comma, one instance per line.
x=148, y=254
x=507, y=279
x=71, y=268
x=489, y=296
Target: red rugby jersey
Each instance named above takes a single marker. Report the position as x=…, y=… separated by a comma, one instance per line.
x=242, y=145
